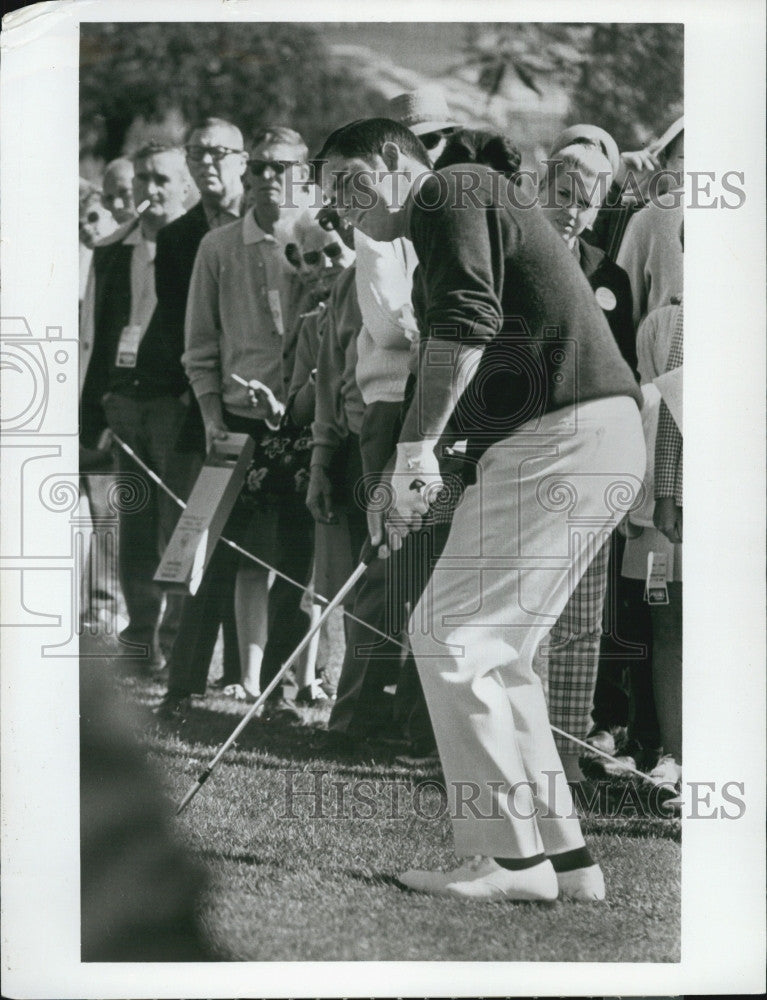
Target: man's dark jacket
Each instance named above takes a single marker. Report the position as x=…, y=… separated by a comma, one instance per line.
x=157, y=371
x=177, y=245
x=604, y=273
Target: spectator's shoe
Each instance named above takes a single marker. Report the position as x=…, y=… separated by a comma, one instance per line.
x=667, y=771
x=312, y=694
x=176, y=705
x=632, y=753
x=583, y=885
x=647, y=758
x=604, y=740
x=221, y=682
x=238, y=693
x=484, y=879
x=279, y=709
x=594, y=765
x=419, y=755
x=668, y=774
x=327, y=687
x=135, y=657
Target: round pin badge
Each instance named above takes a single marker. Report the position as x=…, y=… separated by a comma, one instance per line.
x=606, y=299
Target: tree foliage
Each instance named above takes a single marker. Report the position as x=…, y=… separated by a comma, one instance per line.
x=632, y=83
x=625, y=77
x=536, y=54
x=628, y=78
x=253, y=74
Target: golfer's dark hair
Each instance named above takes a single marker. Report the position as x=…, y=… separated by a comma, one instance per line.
x=365, y=138
x=491, y=149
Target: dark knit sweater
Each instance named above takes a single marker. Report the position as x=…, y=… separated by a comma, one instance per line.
x=499, y=277
x=604, y=275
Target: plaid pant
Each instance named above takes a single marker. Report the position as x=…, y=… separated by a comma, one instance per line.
x=567, y=662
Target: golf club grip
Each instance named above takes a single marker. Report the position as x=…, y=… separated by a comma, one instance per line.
x=369, y=551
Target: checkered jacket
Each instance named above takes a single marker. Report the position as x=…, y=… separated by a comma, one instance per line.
x=668, y=442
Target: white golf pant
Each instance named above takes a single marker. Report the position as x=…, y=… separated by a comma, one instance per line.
x=544, y=501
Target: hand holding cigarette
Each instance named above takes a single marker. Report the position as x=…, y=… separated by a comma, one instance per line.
x=266, y=404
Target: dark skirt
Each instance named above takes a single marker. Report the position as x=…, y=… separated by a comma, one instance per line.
x=270, y=512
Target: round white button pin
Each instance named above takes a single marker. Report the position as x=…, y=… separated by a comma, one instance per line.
x=606, y=299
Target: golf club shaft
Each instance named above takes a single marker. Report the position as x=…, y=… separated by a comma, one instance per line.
x=318, y=598
x=602, y=753
x=331, y=606
x=350, y=583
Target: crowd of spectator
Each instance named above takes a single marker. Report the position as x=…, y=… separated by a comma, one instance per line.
x=267, y=278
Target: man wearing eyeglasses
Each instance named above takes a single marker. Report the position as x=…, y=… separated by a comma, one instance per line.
x=217, y=160
x=244, y=298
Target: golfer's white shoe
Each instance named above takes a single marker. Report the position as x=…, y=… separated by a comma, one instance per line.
x=489, y=881
x=435, y=882
x=584, y=885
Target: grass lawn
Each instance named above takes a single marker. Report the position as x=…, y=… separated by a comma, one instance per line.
x=303, y=879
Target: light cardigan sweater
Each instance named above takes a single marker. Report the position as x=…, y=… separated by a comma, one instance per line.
x=240, y=315
x=338, y=406
x=384, y=287
x=651, y=255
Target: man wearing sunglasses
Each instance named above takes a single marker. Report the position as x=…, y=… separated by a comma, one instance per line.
x=243, y=300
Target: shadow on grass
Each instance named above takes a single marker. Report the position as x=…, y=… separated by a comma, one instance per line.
x=365, y=877
x=276, y=742
x=279, y=744
x=245, y=859
x=373, y=880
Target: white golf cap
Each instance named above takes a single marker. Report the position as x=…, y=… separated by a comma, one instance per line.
x=422, y=111
x=592, y=134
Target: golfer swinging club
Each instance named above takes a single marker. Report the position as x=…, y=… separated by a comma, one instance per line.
x=516, y=352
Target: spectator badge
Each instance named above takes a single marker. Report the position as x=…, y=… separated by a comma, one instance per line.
x=656, y=587
x=606, y=298
x=127, y=348
x=275, y=307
